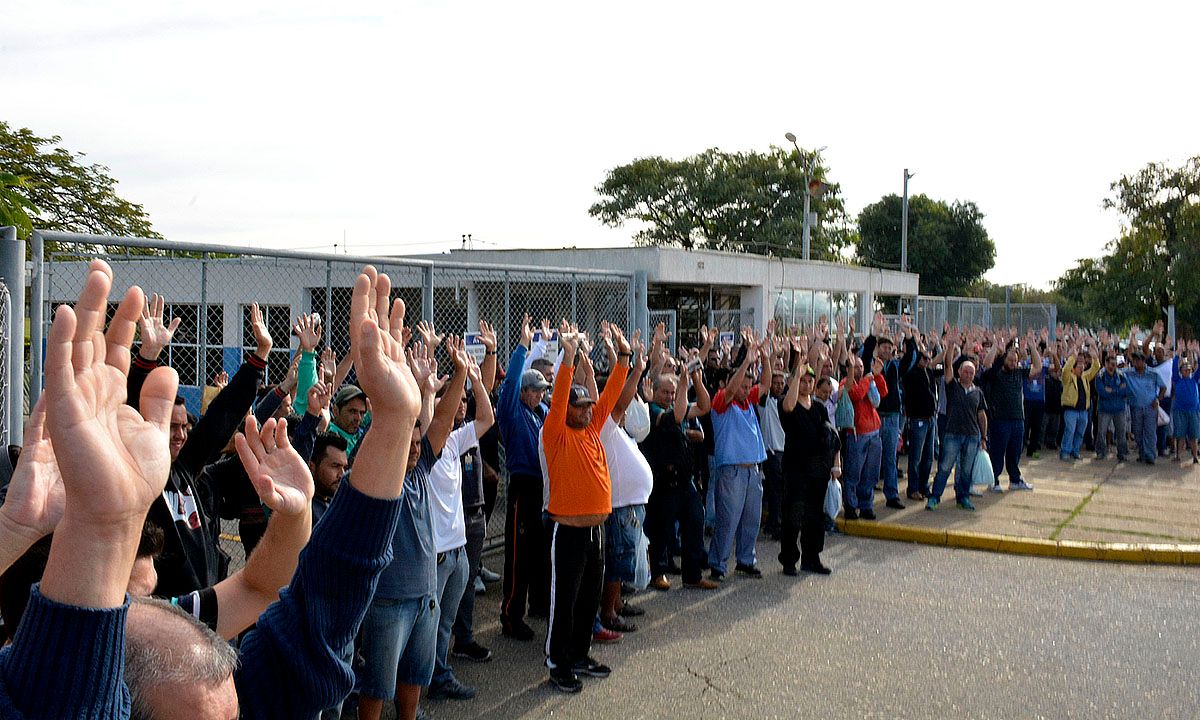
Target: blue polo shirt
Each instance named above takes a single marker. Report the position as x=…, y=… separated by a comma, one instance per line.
x=1143, y=386
x=739, y=439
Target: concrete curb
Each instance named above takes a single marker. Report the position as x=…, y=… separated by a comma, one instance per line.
x=1143, y=553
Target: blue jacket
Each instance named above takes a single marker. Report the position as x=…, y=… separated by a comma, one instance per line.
x=519, y=426
x=68, y=662
x=1112, y=392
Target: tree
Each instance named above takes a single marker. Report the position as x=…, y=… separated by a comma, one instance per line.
x=14, y=206
x=1155, y=262
x=744, y=202
x=947, y=244
x=59, y=191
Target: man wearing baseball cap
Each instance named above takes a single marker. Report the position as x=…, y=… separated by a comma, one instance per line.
x=351, y=419
x=580, y=501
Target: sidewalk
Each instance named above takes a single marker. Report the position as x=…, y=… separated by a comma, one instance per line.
x=1090, y=509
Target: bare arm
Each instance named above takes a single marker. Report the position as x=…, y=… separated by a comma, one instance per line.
x=485, y=416
x=443, y=415
x=487, y=371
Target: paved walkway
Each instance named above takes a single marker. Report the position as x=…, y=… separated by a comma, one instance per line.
x=1131, y=512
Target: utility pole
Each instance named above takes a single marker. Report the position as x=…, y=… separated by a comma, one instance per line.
x=904, y=224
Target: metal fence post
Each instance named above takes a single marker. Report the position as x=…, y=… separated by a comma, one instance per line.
x=639, y=303
x=328, y=299
x=1053, y=323
x=575, y=299
x=202, y=321
x=506, y=336
x=427, y=295
x=37, y=304
x=12, y=272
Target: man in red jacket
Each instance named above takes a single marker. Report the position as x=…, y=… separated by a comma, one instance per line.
x=864, y=447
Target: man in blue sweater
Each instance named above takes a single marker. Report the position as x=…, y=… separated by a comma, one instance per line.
x=68, y=659
x=526, y=551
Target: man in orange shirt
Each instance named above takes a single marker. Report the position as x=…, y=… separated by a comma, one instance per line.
x=580, y=500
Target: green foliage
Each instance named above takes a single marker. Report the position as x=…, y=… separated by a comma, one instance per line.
x=14, y=206
x=743, y=202
x=947, y=243
x=62, y=192
x=1156, y=260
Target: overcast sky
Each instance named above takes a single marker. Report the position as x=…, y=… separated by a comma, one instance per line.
x=401, y=125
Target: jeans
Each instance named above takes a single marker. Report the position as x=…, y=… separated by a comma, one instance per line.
x=889, y=437
x=1035, y=424
x=1144, y=422
x=451, y=582
x=961, y=451
x=464, y=622
x=922, y=449
x=1054, y=423
x=773, y=490
x=622, y=530
x=1004, y=446
x=1074, y=425
x=1116, y=421
x=738, y=499
x=399, y=643
x=862, y=469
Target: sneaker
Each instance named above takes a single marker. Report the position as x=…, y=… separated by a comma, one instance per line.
x=452, y=689
x=716, y=576
x=916, y=496
x=850, y=514
x=604, y=636
x=480, y=588
x=790, y=570
x=702, y=584
x=566, y=680
x=816, y=568
x=471, y=651
x=1036, y=455
x=661, y=583
x=592, y=668
x=1195, y=460
x=1019, y=485
x=517, y=631
x=997, y=489
x=488, y=576
x=750, y=571
x=895, y=504
x=966, y=504
x=932, y=503
x=867, y=514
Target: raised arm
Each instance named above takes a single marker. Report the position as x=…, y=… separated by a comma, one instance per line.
x=792, y=396
x=308, y=329
x=487, y=336
x=615, y=387
x=484, y=415
x=443, y=416
x=569, y=342
x=632, y=379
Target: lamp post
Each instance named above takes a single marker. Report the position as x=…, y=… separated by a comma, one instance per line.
x=808, y=192
x=904, y=224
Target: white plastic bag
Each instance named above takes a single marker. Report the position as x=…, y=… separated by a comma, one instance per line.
x=1163, y=417
x=833, y=498
x=641, y=571
x=981, y=472
x=637, y=420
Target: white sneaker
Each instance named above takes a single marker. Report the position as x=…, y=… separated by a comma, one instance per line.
x=997, y=489
x=1019, y=485
x=480, y=588
x=974, y=493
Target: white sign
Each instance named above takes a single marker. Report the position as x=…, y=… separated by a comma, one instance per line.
x=551, y=343
x=727, y=339
x=473, y=343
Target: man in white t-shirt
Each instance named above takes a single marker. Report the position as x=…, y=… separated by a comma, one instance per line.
x=449, y=526
x=632, y=481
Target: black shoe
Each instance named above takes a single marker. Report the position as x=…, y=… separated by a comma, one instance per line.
x=674, y=569
x=850, y=514
x=566, y=680
x=867, y=515
x=750, y=571
x=815, y=567
x=517, y=631
x=895, y=504
x=627, y=589
x=628, y=610
x=790, y=570
x=916, y=496
x=592, y=668
x=471, y=651
x=716, y=576
x=541, y=612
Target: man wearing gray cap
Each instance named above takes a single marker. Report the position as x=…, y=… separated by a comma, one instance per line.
x=520, y=414
x=351, y=418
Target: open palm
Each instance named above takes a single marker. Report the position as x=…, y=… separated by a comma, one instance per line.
x=279, y=475
x=382, y=369
x=35, y=500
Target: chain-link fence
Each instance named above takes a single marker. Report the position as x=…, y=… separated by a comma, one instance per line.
x=934, y=312
x=670, y=320
x=1026, y=316
x=210, y=289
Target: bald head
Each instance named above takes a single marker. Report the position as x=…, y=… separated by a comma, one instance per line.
x=175, y=666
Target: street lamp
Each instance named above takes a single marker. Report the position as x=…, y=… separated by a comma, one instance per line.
x=904, y=224
x=811, y=188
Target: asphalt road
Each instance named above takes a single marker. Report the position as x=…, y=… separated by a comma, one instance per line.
x=898, y=631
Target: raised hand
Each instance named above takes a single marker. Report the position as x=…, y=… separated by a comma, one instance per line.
x=487, y=335
x=567, y=339
x=619, y=339
x=420, y=362
x=329, y=363
x=279, y=475
x=36, y=497
x=262, y=336
x=220, y=380
x=319, y=397
x=155, y=335
x=382, y=369
x=308, y=329
x=428, y=335
x=526, y=331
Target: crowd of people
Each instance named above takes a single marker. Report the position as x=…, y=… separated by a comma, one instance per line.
x=362, y=488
